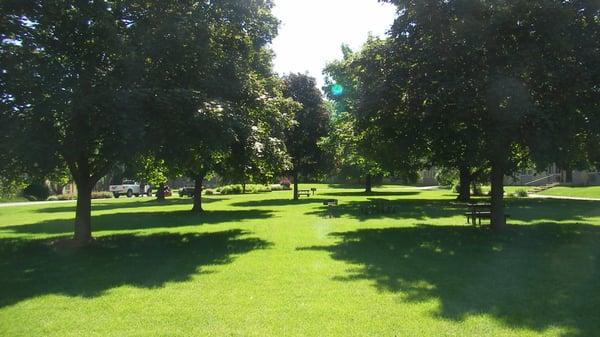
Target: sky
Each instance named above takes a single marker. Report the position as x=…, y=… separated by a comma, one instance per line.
x=312, y=31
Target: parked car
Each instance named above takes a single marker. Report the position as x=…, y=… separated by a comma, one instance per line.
x=130, y=188
x=186, y=192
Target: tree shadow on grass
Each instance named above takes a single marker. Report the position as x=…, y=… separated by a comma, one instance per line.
x=279, y=202
x=402, y=209
x=140, y=221
x=371, y=194
x=41, y=267
x=523, y=210
x=102, y=206
x=535, y=277
x=533, y=210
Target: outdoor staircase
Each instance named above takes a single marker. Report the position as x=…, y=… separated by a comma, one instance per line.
x=542, y=188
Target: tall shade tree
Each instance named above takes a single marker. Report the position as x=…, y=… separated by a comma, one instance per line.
x=209, y=84
x=257, y=152
x=482, y=70
x=351, y=151
x=90, y=83
x=311, y=124
x=69, y=89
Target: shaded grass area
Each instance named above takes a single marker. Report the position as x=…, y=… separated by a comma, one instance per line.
x=576, y=192
x=266, y=265
x=128, y=221
x=42, y=267
x=533, y=276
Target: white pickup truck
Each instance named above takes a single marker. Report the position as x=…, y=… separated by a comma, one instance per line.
x=130, y=188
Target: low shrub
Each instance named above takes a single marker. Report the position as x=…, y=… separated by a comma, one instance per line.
x=447, y=177
x=209, y=191
x=521, y=193
x=258, y=188
x=239, y=189
x=102, y=195
x=230, y=189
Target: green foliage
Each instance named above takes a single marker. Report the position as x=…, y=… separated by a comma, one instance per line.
x=10, y=188
x=209, y=191
x=230, y=189
x=521, y=193
x=151, y=170
x=239, y=189
x=447, y=177
x=311, y=124
x=89, y=85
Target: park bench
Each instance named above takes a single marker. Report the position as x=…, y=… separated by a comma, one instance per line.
x=478, y=212
x=303, y=192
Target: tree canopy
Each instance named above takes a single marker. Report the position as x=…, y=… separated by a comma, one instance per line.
x=311, y=124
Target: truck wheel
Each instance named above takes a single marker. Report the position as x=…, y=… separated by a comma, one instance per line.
x=149, y=193
x=116, y=195
x=129, y=193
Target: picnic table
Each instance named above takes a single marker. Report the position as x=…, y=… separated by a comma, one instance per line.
x=479, y=211
x=303, y=192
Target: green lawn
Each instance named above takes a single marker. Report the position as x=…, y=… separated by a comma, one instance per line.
x=263, y=265
x=12, y=199
x=579, y=192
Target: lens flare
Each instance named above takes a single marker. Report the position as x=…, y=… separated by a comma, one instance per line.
x=337, y=90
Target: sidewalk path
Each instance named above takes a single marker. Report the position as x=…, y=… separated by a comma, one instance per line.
x=31, y=203
x=541, y=196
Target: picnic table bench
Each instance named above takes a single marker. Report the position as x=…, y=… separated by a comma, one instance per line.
x=303, y=192
x=479, y=211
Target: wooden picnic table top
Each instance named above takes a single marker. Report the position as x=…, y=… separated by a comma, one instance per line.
x=480, y=204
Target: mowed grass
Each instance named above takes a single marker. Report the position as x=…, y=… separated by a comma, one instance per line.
x=577, y=192
x=264, y=265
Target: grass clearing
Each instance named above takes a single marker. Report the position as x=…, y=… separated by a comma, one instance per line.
x=264, y=265
x=574, y=192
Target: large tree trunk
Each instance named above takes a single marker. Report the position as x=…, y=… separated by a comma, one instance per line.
x=83, y=213
x=197, y=208
x=498, y=219
x=160, y=192
x=295, y=185
x=368, y=184
x=464, y=185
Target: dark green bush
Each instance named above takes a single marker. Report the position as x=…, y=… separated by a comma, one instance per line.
x=36, y=191
x=230, y=189
x=521, y=193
